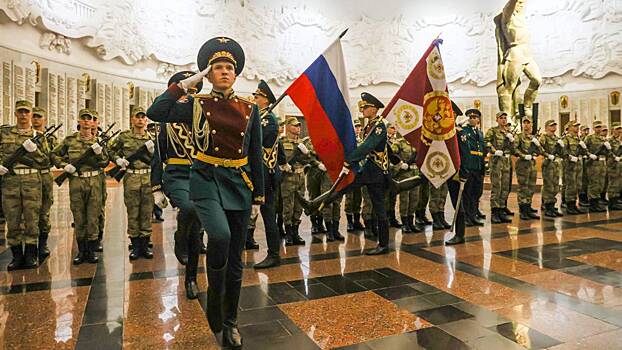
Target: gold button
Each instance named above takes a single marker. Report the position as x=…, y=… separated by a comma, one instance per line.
x=242, y=133
x=213, y=131
x=240, y=151
x=215, y=99
x=247, y=117
x=236, y=100
x=216, y=149
x=202, y=102
x=208, y=113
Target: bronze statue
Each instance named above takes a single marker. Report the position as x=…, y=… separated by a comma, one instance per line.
x=514, y=59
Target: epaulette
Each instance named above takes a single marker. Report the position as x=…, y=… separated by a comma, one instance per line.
x=305, y=139
x=201, y=96
x=245, y=100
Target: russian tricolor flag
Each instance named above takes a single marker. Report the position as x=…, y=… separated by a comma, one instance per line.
x=321, y=94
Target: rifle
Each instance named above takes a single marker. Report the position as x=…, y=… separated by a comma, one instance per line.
x=19, y=153
x=141, y=153
x=103, y=139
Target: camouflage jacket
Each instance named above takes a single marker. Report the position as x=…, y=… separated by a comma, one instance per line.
x=72, y=148
x=11, y=139
x=524, y=145
x=126, y=144
x=496, y=140
x=615, y=151
x=550, y=146
x=596, y=145
x=290, y=147
x=572, y=147
x=408, y=155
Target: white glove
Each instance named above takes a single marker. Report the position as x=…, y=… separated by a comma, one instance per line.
x=510, y=136
x=160, y=200
x=122, y=162
x=150, y=146
x=561, y=143
x=194, y=80
x=344, y=171
x=303, y=148
x=551, y=157
x=286, y=168
x=29, y=146
x=3, y=170
x=617, y=159
x=535, y=140
x=70, y=169
x=582, y=144
x=413, y=166
x=499, y=153
x=607, y=145
x=97, y=149
x=593, y=157
x=527, y=157
x=404, y=166
x=322, y=167
x=574, y=159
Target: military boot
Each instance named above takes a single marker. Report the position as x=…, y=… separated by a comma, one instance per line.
x=251, y=244
x=393, y=220
x=279, y=223
x=215, y=297
x=595, y=206
x=190, y=281
x=81, y=257
x=614, y=204
x=504, y=216
x=584, y=200
x=100, y=238
x=371, y=229
x=357, y=222
x=468, y=221
x=320, y=225
x=437, y=222
x=480, y=214
x=296, y=236
x=136, y=248
x=558, y=211
x=550, y=211
x=314, y=223
x=532, y=212
x=18, y=258
x=524, y=212
x=30, y=256
x=441, y=217
x=571, y=208
x=91, y=248
x=350, y=219
x=507, y=212
x=43, y=249
x=289, y=241
x=231, y=338
x=383, y=229
x=329, y=235
x=336, y=234
x=405, y=226
x=494, y=216
x=423, y=218
x=146, y=251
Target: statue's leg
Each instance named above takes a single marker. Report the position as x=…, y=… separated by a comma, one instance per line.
x=506, y=88
x=532, y=71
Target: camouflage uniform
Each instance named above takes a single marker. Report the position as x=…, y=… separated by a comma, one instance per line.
x=552, y=153
x=293, y=181
x=499, y=144
x=408, y=199
x=438, y=198
x=613, y=171
x=314, y=178
x=526, y=172
x=136, y=183
x=596, y=168
x=573, y=170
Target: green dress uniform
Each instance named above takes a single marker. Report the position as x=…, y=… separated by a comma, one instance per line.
x=472, y=161
x=527, y=149
x=573, y=169
x=553, y=152
x=596, y=167
x=406, y=169
x=499, y=143
x=614, y=170
x=21, y=193
x=84, y=190
x=137, y=192
x=226, y=178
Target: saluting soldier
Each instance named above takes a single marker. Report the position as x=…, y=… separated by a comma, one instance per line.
x=354, y=198
x=137, y=191
x=407, y=168
x=226, y=176
x=573, y=167
x=596, y=167
x=84, y=183
x=472, y=160
x=39, y=123
x=499, y=141
x=527, y=149
x=273, y=158
x=21, y=187
x=614, y=184
x=552, y=151
x=170, y=177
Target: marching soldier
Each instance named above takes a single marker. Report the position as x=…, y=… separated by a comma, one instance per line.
x=21, y=192
x=573, y=167
x=170, y=178
x=84, y=183
x=499, y=141
x=472, y=165
x=273, y=157
x=354, y=199
x=527, y=149
x=596, y=167
x=137, y=191
x=226, y=176
x=552, y=151
x=293, y=180
x=408, y=199
x=39, y=123
x=614, y=184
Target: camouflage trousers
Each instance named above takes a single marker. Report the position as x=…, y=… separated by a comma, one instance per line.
x=332, y=211
x=438, y=198
x=424, y=196
x=573, y=177
x=550, y=181
x=614, y=183
x=47, y=199
x=367, y=210
x=102, y=213
x=21, y=202
x=292, y=210
x=138, y=203
x=354, y=200
x=596, y=176
x=500, y=168
x=526, y=173
x=408, y=199
x=85, y=195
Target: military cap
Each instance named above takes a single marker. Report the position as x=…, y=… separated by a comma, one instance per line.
x=390, y=125
x=526, y=119
x=23, y=104
x=138, y=110
x=572, y=123
x=282, y=122
x=616, y=125
x=38, y=111
x=94, y=113
x=501, y=114
x=597, y=124
x=456, y=109
x=585, y=127
x=550, y=122
x=605, y=127
x=473, y=111
x=179, y=76
x=84, y=111
x=368, y=100
x=221, y=49
x=264, y=90
x=357, y=123
x=292, y=121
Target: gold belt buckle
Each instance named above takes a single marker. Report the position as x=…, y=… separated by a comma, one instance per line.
x=226, y=163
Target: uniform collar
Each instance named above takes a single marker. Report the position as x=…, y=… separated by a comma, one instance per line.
x=229, y=94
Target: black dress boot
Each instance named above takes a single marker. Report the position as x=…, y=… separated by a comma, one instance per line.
x=190, y=281
x=288, y=236
x=533, y=213
x=357, y=222
x=136, y=248
x=494, y=216
x=270, y=261
x=184, y=222
x=215, y=296
x=383, y=247
x=296, y=236
x=584, y=200
x=595, y=206
x=30, y=256
x=18, y=258
x=231, y=338
x=370, y=230
x=468, y=221
x=251, y=244
x=480, y=214
x=405, y=225
x=81, y=257
x=146, y=251
x=437, y=223
x=507, y=212
x=279, y=223
x=329, y=234
x=314, y=228
x=350, y=227
x=419, y=215
x=524, y=212
x=505, y=217
x=320, y=225
x=477, y=221
x=336, y=234
x=393, y=220
x=571, y=208
x=91, y=248
x=43, y=249
x=414, y=227
x=550, y=211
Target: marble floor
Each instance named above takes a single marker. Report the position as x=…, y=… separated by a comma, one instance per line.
x=548, y=284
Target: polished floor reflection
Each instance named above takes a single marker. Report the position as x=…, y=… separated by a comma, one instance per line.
x=549, y=284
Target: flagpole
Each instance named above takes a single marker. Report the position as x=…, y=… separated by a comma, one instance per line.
x=278, y=100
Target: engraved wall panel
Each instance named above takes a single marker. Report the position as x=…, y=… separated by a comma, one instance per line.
x=7, y=101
